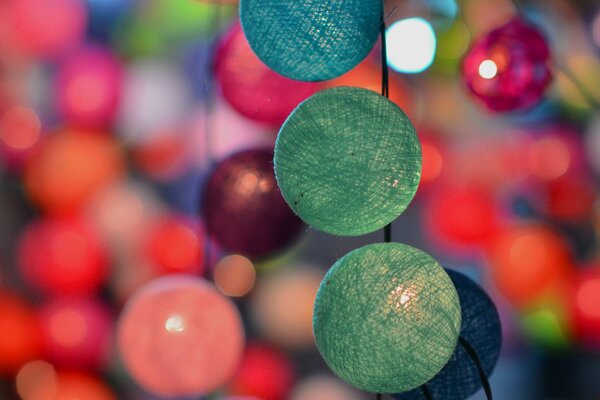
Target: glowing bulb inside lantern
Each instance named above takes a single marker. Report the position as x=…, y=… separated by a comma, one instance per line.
x=175, y=323
x=488, y=69
x=411, y=45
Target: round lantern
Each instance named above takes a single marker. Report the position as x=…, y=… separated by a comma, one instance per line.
x=76, y=333
x=243, y=208
x=62, y=256
x=311, y=41
x=178, y=336
x=459, y=378
x=252, y=89
x=508, y=69
x=348, y=161
x=387, y=318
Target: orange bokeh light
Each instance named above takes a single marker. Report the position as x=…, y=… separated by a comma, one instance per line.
x=282, y=305
x=72, y=166
x=37, y=380
x=528, y=263
x=432, y=161
x=367, y=75
x=79, y=385
x=234, y=275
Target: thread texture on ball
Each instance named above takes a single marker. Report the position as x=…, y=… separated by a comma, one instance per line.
x=348, y=161
x=311, y=40
x=387, y=318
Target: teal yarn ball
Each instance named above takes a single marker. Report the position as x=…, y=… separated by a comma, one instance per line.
x=386, y=318
x=311, y=40
x=348, y=161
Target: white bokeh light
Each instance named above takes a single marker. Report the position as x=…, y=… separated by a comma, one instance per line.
x=488, y=69
x=411, y=45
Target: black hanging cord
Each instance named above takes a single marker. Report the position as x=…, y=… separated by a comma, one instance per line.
x=426, y=393
x=473, y=354
x=385, y=91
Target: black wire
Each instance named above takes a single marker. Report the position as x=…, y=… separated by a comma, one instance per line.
x=473, y=354
x=385, y=91
x=426, y=393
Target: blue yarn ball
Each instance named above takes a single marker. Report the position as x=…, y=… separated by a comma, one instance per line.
x=311, y=40
x=459, y=379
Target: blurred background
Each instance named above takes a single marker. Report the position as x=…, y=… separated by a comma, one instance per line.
x=136, y=139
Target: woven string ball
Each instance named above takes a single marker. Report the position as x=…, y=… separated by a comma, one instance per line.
x=386, y=318
x=243, y=209
x=459, y=379
x=348, y=161
x=311, y=40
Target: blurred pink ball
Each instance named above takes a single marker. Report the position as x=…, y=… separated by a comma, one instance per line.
x=178, y=336
x=508, y=69
x=253, y=89
x=76, y=333
x=46, y=28
x=88, y=87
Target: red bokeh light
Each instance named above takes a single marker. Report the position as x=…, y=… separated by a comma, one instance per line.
x=20, y=339
x=461, y=216
x=46, y=28
x=586, y=305
x=62, y=256
x=264, y=372
x=78, y=385
x=174, y=245
x=76, y=332
x=20, y=128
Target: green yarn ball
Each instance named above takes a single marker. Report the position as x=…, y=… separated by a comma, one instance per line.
x=348, y=161
x=311, y=40
x=387, y=318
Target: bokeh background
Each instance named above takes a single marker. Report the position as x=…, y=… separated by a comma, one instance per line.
x=135, y=142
